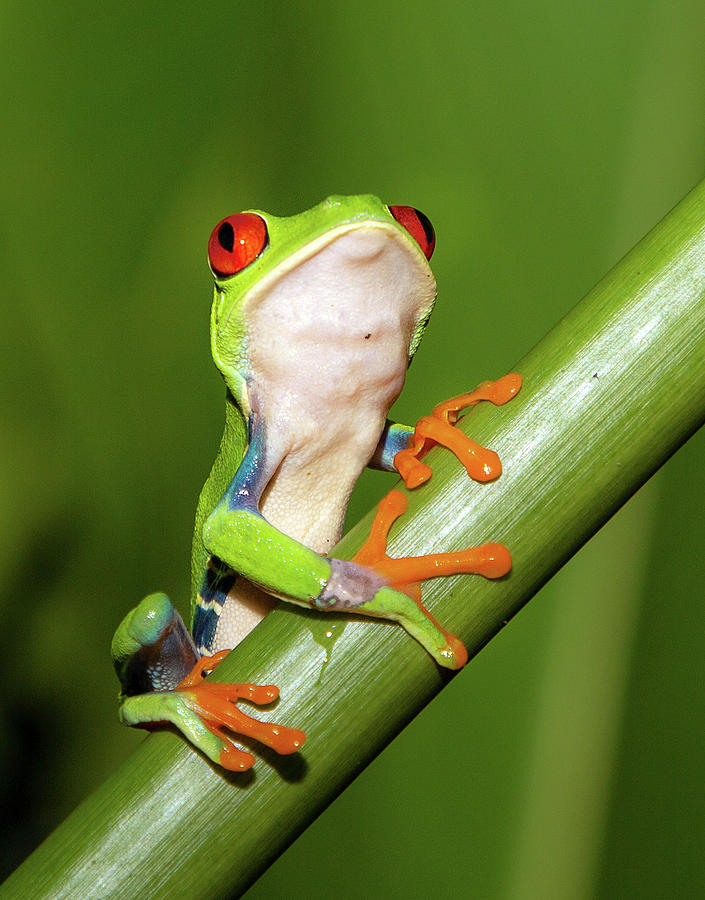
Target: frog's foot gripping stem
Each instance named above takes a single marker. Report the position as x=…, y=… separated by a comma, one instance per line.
x=404, y=574
x=205, y=712
x=480, y=463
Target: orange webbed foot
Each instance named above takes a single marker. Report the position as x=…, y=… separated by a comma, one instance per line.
x=405, y=573
x=214, y=703
x=480, y=463
x=491, y=560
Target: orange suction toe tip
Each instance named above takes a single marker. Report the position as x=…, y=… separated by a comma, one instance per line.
x=498, y=561
x=509, y=386
x=235, y=760
x=291, y=742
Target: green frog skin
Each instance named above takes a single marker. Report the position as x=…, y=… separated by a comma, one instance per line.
x=314, y=321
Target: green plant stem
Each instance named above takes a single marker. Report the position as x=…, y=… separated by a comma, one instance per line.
x=608, y=395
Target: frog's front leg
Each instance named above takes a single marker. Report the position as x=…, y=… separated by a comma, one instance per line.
x=294, y=572
x=400, y=448
x=480, y=463
x=238, y=535
x=163, y=681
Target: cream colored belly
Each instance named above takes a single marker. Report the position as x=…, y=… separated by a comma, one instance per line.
x=308, y=495
x=328, y=342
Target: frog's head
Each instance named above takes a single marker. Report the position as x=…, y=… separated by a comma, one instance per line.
x=345, y=251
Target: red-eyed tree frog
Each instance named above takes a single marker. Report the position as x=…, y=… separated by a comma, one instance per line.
x=315, y=319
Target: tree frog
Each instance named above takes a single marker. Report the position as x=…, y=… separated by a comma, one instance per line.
x=315, y=318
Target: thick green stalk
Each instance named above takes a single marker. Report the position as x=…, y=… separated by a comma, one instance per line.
x=608, y=395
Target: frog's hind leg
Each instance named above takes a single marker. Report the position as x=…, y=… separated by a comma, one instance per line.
x=163, y=682
x=152, y=649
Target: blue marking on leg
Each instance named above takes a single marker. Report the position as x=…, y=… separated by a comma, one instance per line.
x=205, y=624
x=217, y=582
x=394, y=438
x=251, y=477
x=243, y=493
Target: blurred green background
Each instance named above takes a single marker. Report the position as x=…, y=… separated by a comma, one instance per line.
x=543, y=140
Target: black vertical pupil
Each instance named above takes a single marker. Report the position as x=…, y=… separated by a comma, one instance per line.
x=226, y=236
x=426, y=225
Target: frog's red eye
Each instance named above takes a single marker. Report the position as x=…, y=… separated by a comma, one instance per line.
x=235, y=243
x=418, y=225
